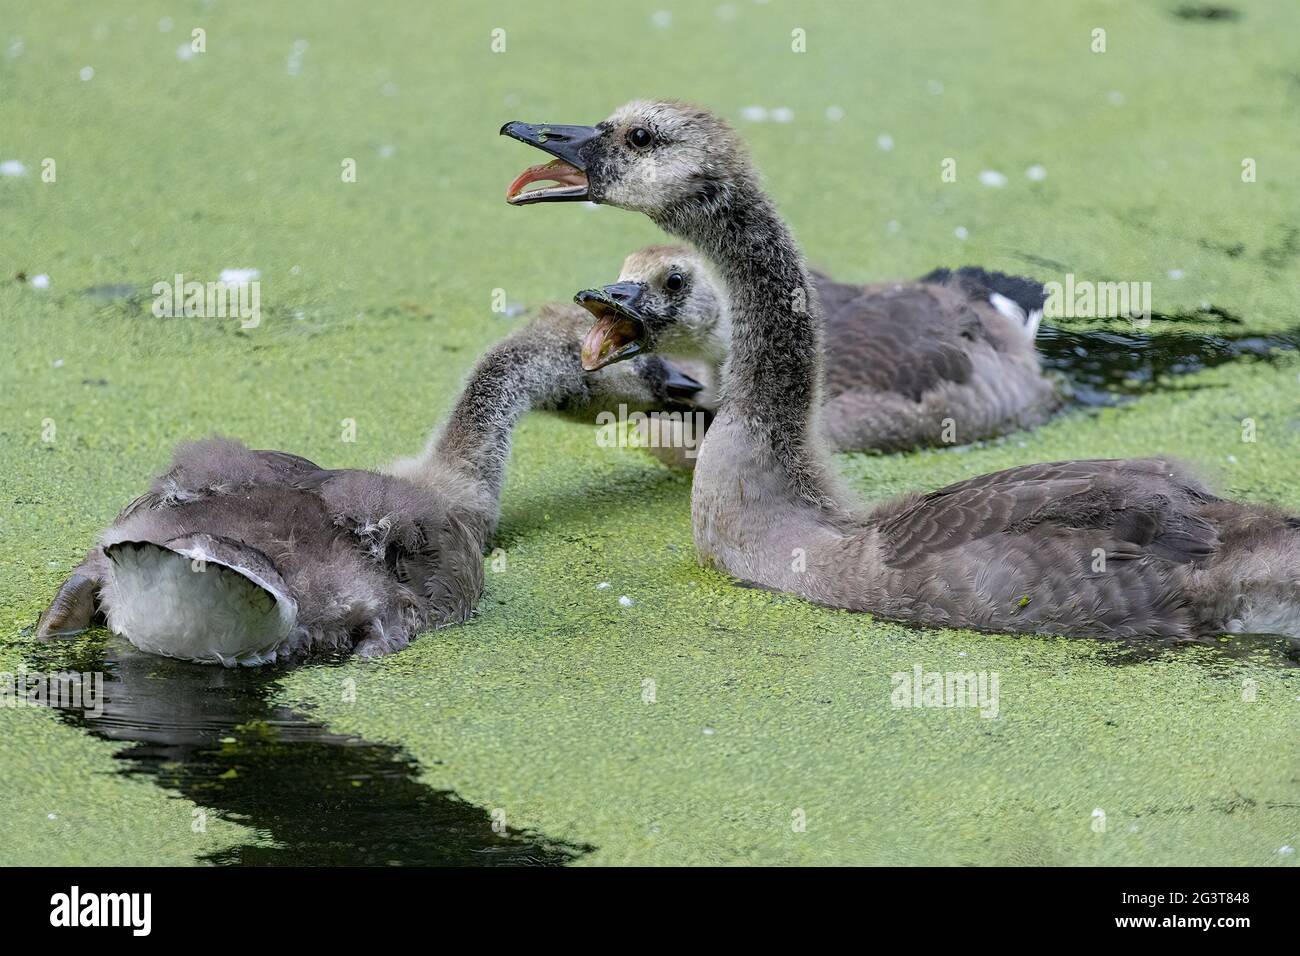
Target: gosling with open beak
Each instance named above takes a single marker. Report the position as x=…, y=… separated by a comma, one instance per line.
x=620, y=332
x=567, y=144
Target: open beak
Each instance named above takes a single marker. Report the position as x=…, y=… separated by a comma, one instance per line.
x=568, y=169
x=619, y=332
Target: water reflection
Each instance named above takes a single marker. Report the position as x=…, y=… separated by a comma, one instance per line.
x=214, y=736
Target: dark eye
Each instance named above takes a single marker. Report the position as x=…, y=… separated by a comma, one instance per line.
x=639, y=137
x=675, y=282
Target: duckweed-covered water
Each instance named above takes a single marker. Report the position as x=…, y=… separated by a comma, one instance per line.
x=697, y=722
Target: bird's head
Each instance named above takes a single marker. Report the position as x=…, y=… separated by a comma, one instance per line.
x=665, y=300
x=648, y=157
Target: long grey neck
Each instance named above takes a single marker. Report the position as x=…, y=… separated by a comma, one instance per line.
x=772, y=377
x=514, y=377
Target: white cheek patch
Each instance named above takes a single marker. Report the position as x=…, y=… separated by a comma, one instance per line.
x=1016, y=314
x=1032, y=323
x=1008, y=308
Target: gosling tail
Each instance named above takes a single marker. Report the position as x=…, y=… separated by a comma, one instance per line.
x=199, y=597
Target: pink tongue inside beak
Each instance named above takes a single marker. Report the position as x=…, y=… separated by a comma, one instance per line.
x=557, y=170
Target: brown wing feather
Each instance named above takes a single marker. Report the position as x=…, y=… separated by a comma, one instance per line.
x=906, y=339
x=1145, y=507
x=217, y=465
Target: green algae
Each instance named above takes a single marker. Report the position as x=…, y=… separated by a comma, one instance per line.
x=703, y=722
x=764, y=707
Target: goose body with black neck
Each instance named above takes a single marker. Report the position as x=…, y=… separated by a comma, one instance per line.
x=1110, y=548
